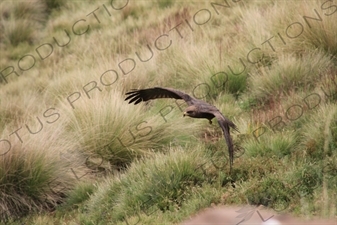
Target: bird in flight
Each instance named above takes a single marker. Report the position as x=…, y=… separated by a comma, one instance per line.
x=196, y=109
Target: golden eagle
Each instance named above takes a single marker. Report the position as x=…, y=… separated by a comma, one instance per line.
x=196, y=109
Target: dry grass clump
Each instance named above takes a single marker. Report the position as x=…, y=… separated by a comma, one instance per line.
x=20, y=20
x=107, y=126
x=289, y=73
x=34, y=175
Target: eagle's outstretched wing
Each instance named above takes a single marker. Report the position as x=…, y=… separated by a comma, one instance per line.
x=138, y=96
x=201, y=109
x=225, y=124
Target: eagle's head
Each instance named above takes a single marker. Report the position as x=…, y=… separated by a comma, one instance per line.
x=191, y=111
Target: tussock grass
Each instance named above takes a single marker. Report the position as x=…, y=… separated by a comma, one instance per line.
x=319, y=136
x=77, y=196
x=309, y=177
x=290, y=73
x=20, y=20
x=34, y=176
x=209, y=77
x=272, y=144
x=318, y=34
x=291, y=29
x=160, y=183
x=271, y=192
x=21, y=107
x=166, y=158
x=165, y=3
x=108, y=127
x=54, y=4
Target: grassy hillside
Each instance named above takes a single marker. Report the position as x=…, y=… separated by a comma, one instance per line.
x=72, y=151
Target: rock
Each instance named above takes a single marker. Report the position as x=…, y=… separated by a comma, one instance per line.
x=249, y=215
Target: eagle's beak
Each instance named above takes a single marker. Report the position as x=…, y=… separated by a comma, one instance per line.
x=184, y=114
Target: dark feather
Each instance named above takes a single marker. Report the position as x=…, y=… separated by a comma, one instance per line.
x=138, y=96
x=225, y=124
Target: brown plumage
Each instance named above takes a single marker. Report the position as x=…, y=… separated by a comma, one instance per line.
x=196, y=109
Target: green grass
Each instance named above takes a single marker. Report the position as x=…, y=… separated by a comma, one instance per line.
x=109, y=162
x=274, y=144
x=161, y=185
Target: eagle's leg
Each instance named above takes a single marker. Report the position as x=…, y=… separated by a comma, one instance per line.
x=210, y=121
